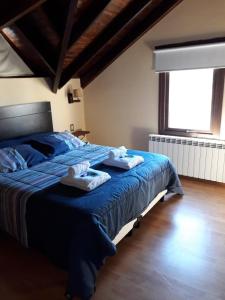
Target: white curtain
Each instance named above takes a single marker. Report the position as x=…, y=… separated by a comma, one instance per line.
x=190, y=57
x=10, y=63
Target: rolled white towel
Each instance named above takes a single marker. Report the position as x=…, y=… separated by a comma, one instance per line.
x=87, y=182
x=118, y=152
x=128, y=162
x=78, y=168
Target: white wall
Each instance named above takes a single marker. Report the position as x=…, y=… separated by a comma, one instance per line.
x=27, y=90
x=121, y=105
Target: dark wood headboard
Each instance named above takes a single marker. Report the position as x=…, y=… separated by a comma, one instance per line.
x=23, y=119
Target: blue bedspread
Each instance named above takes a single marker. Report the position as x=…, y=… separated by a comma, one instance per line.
x=75, y=228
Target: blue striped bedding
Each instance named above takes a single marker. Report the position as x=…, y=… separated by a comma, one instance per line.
x=17, y=187
x=74, y=228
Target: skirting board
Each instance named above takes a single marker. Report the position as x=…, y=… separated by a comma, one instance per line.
x=129, y=226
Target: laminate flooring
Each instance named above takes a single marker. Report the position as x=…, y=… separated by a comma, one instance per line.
x=178, y=253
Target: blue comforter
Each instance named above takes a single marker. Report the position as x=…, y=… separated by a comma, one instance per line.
x=75, y=228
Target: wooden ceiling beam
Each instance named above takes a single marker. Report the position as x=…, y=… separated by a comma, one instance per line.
x=22, y=46
x=63, y=38
x=55, y=10
x=118, y=24
x=45, y=26
x=72, y=6
x=144, y=24
x=12, y=10
x=86, y=19
x=102, y=21
x=34, y=34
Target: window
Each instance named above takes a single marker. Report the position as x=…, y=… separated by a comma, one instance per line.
x=190, y=102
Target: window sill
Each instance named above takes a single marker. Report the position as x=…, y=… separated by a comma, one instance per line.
x=192, y=136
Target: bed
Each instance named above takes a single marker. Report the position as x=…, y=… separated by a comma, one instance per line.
x=75, y=229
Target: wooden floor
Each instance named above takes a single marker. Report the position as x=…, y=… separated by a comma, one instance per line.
x=177, y=253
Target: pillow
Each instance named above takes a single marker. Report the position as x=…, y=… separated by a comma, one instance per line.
x=72, y=141
x=30, y=155
x=11, y=160
x=48, y=145
x=21, y=140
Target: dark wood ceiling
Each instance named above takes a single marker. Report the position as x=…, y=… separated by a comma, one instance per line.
x=61, y=39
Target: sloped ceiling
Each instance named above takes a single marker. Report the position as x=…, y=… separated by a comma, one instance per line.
x=61, y=39
x=11, y=64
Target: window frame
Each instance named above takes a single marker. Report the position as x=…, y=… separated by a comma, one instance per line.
x=216, y=111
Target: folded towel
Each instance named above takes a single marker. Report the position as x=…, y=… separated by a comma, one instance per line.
x=87, y=182
x=78, y=169
x=118, y=152
x=127, y=162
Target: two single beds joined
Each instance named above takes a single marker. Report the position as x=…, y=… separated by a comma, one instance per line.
x=77, y=230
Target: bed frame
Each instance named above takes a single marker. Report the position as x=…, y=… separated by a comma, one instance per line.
x=126, y=229
x=24, y=119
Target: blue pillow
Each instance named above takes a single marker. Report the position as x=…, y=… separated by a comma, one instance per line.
x=48, y=145
x=72, y=141
x=11, y=161
x=30, y=155
x=21, y=140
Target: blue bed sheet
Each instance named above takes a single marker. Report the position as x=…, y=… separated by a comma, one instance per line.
x=75, y=228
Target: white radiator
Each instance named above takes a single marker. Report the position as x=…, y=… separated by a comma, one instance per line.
x=199, y=158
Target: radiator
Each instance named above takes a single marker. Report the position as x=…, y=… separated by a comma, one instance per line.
x=199, y=158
